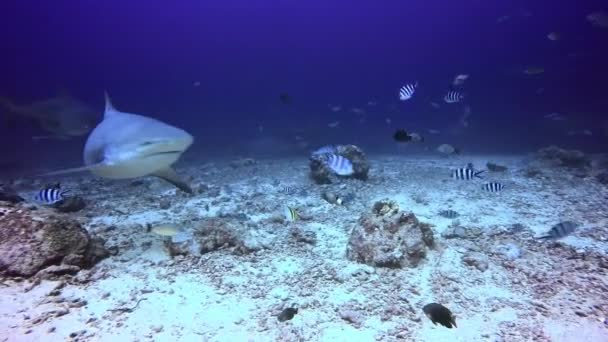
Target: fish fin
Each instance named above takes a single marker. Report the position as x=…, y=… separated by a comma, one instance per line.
x=66, y=171
x=170, y=176
x=109, y=107
x=544, y=237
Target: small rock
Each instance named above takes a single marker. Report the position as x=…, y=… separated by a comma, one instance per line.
x=477, y=260
x=70, y=204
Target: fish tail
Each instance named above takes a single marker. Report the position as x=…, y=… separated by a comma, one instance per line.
x=478, y=173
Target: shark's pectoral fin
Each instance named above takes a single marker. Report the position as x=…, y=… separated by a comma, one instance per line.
x=170, y=176
x=62, y=172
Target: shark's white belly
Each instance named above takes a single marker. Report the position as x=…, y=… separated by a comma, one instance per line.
x=137, y=167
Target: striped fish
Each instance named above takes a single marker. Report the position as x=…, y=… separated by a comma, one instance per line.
x=465, y=173
x=51, y=195
x=289, y=190
x=560, y=230
x=451, y=214
x=493, y=187
x=324, y=150
x=453, y=97
x=407, y=91
x=339, y=165
x=291, y=215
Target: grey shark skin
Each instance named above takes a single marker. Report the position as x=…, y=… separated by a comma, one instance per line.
x=126, y=145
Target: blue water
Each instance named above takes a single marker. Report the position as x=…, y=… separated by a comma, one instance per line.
x=149, y=55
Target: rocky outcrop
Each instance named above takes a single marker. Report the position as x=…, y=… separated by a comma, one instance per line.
x=387, y=237
x=32, y=240
x=321, y=174
x=555, y=156
x=215, y=234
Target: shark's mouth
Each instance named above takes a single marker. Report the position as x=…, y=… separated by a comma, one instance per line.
x=163, y=153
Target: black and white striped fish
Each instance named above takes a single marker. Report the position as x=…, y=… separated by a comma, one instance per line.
x=51, y=195
x=289, y=190
x=493, y=187
x=339, y=165
x=453, y=97
x=560, y=230
x=407, y=91
x=451, y=214
x=465, y=173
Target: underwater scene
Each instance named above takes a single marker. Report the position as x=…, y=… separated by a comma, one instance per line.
x=304, y=171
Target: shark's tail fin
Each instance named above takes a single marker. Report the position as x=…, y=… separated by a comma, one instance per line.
x=170, y=176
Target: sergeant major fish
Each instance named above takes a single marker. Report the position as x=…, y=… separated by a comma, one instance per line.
x=339, y=165
x=493, y=187
x=453, y=97
x=407, y=91
x=51, y=195
x=561, y=230
x=466, y=173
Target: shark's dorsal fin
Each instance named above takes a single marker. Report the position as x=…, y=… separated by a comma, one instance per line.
x=109, y=107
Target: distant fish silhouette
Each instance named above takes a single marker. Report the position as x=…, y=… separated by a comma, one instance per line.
x=407, y=91
x=126, y=145
x=63, y=116
x=285, y=98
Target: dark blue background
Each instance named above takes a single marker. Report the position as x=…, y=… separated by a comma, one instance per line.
x=148, y=54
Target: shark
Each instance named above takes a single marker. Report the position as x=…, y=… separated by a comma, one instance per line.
x=62, y=116
x=126, y=145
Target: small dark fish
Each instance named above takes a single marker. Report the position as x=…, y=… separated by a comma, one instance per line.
x=451, y=214
x=285, y=98
x=438, y=313
x=561, y=230
x=287, y=314
x=51, y=195
x=402, y=135
x=493, y=187
x=466, y=174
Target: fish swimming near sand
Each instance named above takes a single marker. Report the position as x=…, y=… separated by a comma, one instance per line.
x=51, y=195
x=465, y=173
x=493, y=187
x=561, y=230
x=447, y=149
x=438, y=313
x=291, y=214
x=126, y=145
x=449, y=213
x=287, y=314
x=63, y=116
x=165, y=230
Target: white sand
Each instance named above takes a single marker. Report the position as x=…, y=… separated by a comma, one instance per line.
x=225, y=297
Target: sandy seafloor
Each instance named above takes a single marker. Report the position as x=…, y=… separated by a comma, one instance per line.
x=553, y=292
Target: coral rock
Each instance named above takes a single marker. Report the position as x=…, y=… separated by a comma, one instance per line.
x=556, y=156
x=389, y=238
x=33, y=240
x=71, y=204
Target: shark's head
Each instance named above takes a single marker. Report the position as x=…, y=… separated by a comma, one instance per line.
x=126, y=145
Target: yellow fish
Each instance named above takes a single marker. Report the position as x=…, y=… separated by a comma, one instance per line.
x=291, y=215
